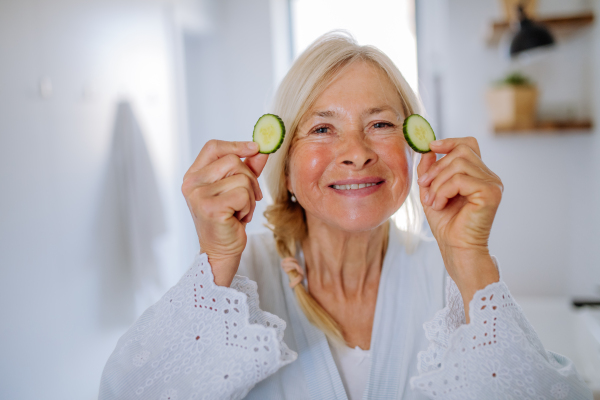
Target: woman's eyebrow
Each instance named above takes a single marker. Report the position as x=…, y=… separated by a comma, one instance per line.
x=380, y=109
x=324, y=114
x=369, y=112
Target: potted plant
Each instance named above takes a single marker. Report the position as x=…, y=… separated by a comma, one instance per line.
x=513, y=103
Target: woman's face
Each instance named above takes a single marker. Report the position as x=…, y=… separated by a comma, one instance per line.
x=352, y=138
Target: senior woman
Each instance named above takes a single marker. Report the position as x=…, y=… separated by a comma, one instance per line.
x=356, y=292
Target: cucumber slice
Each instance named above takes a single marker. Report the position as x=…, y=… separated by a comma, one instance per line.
x=269, y=132
x=418, y=133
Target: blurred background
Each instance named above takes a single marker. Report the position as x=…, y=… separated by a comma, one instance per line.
x=104, y=104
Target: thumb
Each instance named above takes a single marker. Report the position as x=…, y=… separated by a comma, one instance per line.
x=256, y=163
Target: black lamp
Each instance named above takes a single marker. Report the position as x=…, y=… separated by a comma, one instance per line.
x=531, y=35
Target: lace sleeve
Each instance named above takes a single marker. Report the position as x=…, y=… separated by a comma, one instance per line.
x=200, y=341
x=497, y=355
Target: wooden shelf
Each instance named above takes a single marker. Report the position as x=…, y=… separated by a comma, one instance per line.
x=549, y=127
x=558, y=25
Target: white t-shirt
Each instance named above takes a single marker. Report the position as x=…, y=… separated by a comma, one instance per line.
x=353, y=365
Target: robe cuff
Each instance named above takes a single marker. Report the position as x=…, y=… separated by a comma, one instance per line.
x=498, y=355
x=199, y=340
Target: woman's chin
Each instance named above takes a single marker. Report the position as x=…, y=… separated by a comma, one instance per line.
x=355, y=220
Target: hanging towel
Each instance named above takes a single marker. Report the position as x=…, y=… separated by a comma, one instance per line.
x=142, y=217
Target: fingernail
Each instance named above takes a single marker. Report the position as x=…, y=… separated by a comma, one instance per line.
x=252, y=145
x=435, y=142
x=431, y=199
x=422, y=179
x=426, y=198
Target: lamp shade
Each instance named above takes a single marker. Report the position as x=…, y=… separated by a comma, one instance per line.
x=531, y=35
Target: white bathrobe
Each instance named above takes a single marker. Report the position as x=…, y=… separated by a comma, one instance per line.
x=203, y=341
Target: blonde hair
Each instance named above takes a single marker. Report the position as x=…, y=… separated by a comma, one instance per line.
x=308, y=77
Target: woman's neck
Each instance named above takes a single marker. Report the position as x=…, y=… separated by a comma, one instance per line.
x=341, y=261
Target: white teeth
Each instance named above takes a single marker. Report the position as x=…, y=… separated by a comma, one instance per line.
x=353, y=186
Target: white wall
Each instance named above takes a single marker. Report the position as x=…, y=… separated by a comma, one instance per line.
x=232, y=70
x=313, y=18
x=547, y=231
x=64, y=288
x=65, y=282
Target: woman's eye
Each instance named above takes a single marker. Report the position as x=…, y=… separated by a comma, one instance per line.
x=382, y=125
x=321, y=129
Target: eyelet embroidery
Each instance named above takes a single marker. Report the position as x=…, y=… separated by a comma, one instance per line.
x=206, y=340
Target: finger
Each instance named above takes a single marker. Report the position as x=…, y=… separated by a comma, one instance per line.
x=229, y=183
x=240, y=202
x=226, y=205
x=460, y=151
x=457, y=166
x=256, y=163
x=427, y=160
x=445, y=146
x=475, y=190
x=232, y=183
x=245, y=214
x=222, y=168
x=215, y=149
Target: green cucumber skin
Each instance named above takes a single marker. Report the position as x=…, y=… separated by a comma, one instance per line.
x=282, y=135
x=407, y=136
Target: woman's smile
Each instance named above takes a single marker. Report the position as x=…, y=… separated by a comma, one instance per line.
x=357, y=187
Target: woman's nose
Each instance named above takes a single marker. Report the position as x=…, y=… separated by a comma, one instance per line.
x=356, y=152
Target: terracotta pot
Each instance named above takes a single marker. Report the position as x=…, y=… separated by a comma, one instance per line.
x=512, y=106
x=510, y=9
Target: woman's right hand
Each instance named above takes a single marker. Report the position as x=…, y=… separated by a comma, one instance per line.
x=221, y=192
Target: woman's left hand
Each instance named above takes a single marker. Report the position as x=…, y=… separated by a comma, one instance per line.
x=460, y=196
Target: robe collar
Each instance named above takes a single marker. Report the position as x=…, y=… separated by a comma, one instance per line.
x=394, y=337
